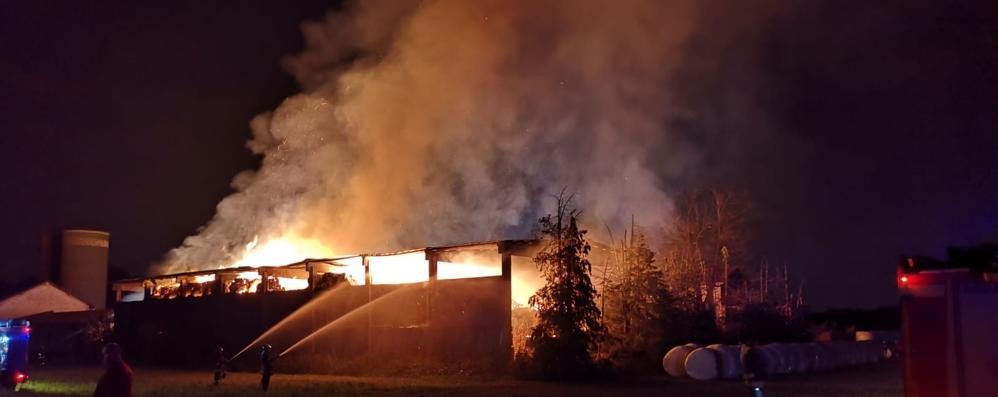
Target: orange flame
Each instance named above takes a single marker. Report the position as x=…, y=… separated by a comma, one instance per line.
x=281, y=251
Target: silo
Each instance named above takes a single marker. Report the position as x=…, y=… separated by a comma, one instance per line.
x=84, y=265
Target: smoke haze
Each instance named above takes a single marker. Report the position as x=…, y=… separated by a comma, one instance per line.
x=426, y=123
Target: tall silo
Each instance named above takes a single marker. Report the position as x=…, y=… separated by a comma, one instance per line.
x=84, y=265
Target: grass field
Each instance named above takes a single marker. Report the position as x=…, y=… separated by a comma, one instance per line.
x=880, y=381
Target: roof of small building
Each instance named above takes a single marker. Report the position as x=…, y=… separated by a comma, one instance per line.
x=43, y=297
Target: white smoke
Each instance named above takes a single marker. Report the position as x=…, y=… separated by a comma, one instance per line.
x=434, y=122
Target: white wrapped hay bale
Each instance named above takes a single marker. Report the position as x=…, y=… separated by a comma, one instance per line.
x=812, y=357
x=803, y=360
x=876, y=352
x=779, y=361
x=729, y=362
x=772, y=360
x=789, y=351
x=674, y=361
x=701, y=364
x=828, y=352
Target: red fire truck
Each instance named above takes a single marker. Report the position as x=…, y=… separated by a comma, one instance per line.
x=949, y=323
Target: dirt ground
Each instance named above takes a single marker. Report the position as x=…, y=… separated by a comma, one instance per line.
x=879, y=381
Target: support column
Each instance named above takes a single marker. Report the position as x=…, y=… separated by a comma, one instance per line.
x=431, y=259
x=217, y=289
x=506, y=333
x=432, y=333
x=264, y=281
x=310, y=269
x=367, y=307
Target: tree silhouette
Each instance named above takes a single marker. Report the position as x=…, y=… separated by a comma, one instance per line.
x=568, y=319
x=637, y=306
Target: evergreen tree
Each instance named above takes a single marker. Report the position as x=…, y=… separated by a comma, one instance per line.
x=568, y=319
x=637, y=307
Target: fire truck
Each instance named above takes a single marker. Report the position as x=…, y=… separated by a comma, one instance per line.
x=14, y=336
x=949, y=323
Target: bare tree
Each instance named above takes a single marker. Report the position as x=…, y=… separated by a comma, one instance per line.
x=705, y=243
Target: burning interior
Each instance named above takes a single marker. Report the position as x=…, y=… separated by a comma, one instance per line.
x=445, y=303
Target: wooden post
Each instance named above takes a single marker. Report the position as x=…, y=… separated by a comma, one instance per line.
x=430, y=337
x=431, y=259
x=506, y=332
x=367, y=307
x=310, y=268
x=264, y=278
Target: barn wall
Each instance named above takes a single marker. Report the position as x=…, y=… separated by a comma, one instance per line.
x=443, y=321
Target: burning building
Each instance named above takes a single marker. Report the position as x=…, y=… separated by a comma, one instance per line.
x=447, y=304
x=410, y=115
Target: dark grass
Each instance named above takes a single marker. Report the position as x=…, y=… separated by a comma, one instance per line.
x=878, y=381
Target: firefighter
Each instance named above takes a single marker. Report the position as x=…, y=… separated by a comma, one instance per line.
x=117, y=378
x=753, y=369
x=220, y=362
x=266, y=367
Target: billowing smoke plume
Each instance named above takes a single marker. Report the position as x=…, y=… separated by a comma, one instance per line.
x=434, y=122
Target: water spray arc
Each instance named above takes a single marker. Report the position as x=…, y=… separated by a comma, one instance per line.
x=321, y=298
x=365, y=307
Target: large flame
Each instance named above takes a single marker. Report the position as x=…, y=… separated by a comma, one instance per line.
x=281, y=251
x=410, y=267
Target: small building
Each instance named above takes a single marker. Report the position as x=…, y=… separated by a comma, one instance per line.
x=42, y=298
x=65, y=328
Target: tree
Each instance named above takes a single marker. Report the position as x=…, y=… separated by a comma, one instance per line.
x=568, y=319
x=638, y=306
x=704, y=246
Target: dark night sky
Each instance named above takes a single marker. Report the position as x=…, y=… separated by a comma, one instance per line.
x=132, y=118
x=874, y=131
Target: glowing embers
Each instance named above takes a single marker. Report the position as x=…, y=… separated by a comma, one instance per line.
x=242, y=283
x=164, y=288
x=352, y=268
x=228, y=282
x=181, y=286
x=411, y=267
x=265, y=279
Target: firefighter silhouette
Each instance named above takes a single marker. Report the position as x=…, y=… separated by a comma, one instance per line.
x=117, y=378
x=220, y=362
x=266, y=367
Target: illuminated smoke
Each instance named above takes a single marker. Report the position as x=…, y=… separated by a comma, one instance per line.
x=434, y=122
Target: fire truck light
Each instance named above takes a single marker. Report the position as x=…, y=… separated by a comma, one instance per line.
x=20, y=377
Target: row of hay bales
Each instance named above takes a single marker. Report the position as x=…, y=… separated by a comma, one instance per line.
x=724, y=361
